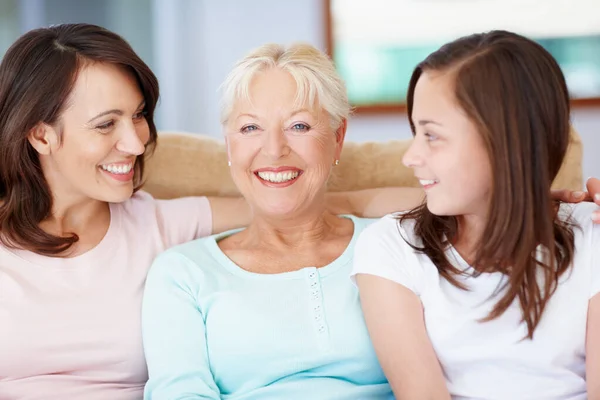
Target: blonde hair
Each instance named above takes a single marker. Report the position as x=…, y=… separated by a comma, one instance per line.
x=318, y=82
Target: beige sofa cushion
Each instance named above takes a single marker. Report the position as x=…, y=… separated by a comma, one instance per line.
x=186, y=164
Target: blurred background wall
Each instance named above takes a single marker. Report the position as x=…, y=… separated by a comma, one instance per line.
x=192, y=44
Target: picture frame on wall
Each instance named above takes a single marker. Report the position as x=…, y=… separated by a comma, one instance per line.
x=376, y=44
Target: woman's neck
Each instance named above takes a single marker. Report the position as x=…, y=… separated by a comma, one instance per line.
x=303, y=231
x=82, y=217
x=469, y=235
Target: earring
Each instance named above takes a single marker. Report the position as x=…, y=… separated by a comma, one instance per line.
x=229, y=163
x=336, y=162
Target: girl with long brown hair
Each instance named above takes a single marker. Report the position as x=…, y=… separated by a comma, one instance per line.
x=489, y=289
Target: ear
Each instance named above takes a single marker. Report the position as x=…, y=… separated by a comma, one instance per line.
x=340, y=135
x=43, y=138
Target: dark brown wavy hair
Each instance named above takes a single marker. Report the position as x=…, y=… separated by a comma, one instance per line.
x=514, y=92
x=37, y=75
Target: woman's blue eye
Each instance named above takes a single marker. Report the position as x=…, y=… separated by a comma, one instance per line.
x=300, y=127
x=248, y=128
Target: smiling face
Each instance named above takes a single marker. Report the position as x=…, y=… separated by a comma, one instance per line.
x=448, y=154
x=281, y=154
x=91, y=151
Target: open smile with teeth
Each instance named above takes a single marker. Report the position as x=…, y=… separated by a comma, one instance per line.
x=118, y=169
x=278, y=177
x=427, y=182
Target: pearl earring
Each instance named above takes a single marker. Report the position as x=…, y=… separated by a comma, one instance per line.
x=229, y=163
x=337, y=162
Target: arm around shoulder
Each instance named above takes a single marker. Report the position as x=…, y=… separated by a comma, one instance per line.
x=183, y=219
x=376, y=202
x=229, y=213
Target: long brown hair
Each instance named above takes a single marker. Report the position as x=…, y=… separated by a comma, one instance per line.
x=516, y=95
x=37, y=75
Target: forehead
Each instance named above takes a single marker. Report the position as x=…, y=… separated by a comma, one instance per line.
x=273, y=77
x=101, y=86
x=435, y=100
x=272, y=91
x=434, y=92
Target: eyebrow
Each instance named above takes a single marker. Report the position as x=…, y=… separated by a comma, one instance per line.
x=298, y=111
x=114, y=111
x=246, y=115
x=428, y=121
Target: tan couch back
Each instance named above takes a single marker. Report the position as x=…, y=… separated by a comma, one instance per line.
x=186, y=164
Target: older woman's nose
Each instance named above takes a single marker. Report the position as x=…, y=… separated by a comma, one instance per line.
x=275, y=144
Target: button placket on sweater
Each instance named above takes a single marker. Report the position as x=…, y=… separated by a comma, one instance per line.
x=316, y=301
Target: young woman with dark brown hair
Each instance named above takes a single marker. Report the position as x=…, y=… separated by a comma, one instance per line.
x=488, y=290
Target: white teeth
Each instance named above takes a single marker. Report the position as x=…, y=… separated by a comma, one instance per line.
x=120, y=169
x=278, y=177
x=427, y=182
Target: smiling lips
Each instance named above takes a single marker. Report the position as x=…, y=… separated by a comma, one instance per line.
x=278, y=177
x=122, y=171
x=427, y=183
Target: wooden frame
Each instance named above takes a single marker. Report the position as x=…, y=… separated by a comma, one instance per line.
x=400, y=107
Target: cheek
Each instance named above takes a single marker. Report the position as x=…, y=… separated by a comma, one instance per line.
x=315, y=150
x=480, y=163
x=79, y=154
x=475, y=169
x=242, y=152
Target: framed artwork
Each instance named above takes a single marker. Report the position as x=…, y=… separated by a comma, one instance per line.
x=376, y=44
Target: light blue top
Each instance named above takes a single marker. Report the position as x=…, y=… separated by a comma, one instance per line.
x=212, y=330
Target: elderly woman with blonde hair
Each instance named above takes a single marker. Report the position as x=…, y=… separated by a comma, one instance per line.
x=269, y=312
